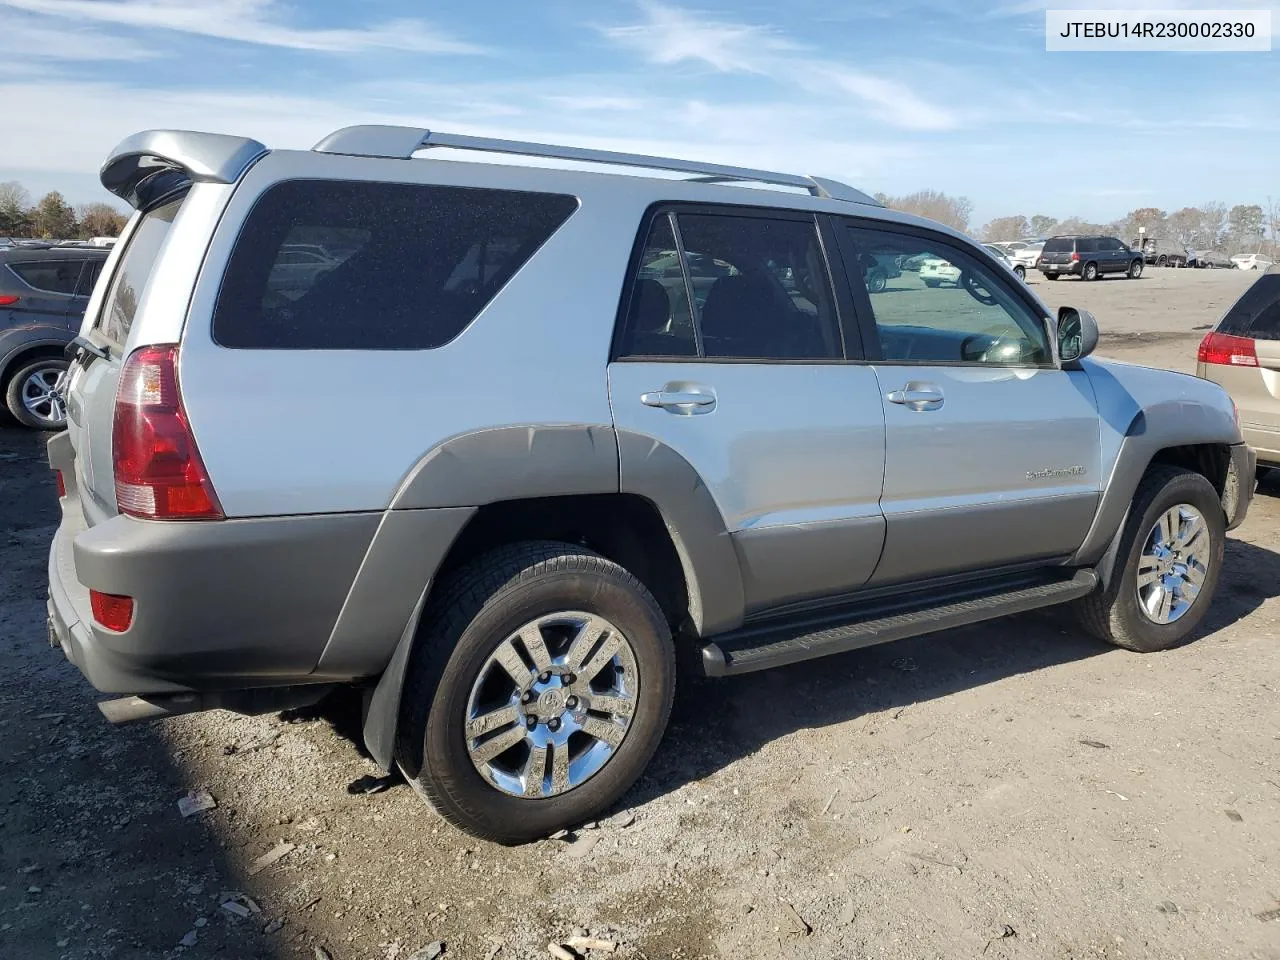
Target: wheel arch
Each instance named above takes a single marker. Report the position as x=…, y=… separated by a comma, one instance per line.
x=629, y=497
x=21, y=355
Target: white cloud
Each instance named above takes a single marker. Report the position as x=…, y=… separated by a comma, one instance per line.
x=249, y=21
x=27, y=40
x=670, y=35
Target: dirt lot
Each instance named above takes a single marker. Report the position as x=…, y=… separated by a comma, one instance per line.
x=1012, y=790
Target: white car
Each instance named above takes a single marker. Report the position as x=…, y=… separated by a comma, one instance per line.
x=1027, y=255
x=935, y=271
x=1251, y=261
x=999, y=253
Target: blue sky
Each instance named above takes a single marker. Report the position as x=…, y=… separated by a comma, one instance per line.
x=956, y=95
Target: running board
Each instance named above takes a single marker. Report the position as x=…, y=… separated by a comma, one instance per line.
x=882, y=621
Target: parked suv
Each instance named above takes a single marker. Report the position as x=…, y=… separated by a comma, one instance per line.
x=1088, y=258
x=620, y=419
x=1162, y=252
x=43, y=293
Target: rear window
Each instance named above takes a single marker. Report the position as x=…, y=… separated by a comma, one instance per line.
x=49, y=276
x=134, y=271
x=1059, y=245
x=1257, y=313
x=332, y=265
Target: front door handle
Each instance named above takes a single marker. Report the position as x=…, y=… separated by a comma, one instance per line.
x=917, y=396
x=686, y=400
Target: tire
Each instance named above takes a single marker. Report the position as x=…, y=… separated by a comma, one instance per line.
x=1090, y=271
x=473, y=615
x=1114, y=614
x=1021, y=272
x=931, y=283
x=1135, y=270
x=29, y=383
x=1162, y=261
x=1051, y=276
x=876, y=281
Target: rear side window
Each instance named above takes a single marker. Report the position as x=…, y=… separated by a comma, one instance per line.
x=1059, y=245
x=134, y=271
x=49, y=276
x=1257, y=313
x=759, y=286
x=331, y=265
x=1087, y=245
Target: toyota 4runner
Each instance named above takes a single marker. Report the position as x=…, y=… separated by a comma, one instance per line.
x=497, y=443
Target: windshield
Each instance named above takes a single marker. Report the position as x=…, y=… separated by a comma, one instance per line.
x=134, y=271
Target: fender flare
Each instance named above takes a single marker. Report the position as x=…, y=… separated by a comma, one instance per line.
x=1157, y=427
x=521, y=462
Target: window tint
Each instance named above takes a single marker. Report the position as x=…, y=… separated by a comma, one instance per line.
x=93, y=270
x=49, y=276
x=1087, y=245
x=659, y=323
x=1257, y=313
x=945, y=306
x=329, y=265
x=134, y=271
x=1108, y=244
x=760, y=288
x=1059, y=245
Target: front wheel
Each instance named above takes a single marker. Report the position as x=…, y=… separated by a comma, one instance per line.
x=34, y=395
x=1135, y=270
x=1020, y=271
x=876, y=281
x=1167, y=565
x=537, y=692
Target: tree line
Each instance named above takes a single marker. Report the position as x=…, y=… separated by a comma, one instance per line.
x=52, y=218
x=1244, y=228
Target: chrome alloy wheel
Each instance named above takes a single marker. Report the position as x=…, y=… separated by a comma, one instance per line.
x=1173, y=564
x=552, y=704
x=42, y=394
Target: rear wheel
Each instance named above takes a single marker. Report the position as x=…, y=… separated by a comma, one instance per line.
x=537, y=693
x=1167, y=565
x=1135, y=270
x=931, y=283
x=1051, y=276
x=34, y=395
x=1090, y=271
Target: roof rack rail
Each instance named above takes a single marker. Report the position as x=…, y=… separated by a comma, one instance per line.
x=403, y=142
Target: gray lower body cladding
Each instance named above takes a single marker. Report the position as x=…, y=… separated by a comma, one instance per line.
x=216, y=604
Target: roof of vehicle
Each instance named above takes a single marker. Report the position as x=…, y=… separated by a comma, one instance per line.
x=148, y=164
x=27, y=254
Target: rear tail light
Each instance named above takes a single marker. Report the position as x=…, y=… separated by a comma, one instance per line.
x=62, y=484
x=158, y=471
x=1226, y=349
x=111, y=610
x=8, y=299
x=1075, y=257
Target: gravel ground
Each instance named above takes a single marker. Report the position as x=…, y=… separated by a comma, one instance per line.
x=1007, y=790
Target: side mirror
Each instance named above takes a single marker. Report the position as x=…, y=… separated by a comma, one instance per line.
x=1077, y=333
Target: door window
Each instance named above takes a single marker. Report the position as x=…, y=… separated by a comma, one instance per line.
x=49, y=276
x=759, y=286
x=90, y=276
x=945, y=306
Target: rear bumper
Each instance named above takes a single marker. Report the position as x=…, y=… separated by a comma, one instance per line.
x=220, y=605
x=1241, y=480
x=1059, y=269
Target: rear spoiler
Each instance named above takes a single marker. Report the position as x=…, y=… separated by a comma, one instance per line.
x=153, y=164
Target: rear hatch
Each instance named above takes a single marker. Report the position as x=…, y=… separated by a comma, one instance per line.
x=1058, y=251
x=94, y=374
x=1243, y=354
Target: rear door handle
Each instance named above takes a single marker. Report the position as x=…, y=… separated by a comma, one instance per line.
x=917, y=396
x=700, y=400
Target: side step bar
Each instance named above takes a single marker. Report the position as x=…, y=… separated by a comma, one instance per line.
x=765, y=646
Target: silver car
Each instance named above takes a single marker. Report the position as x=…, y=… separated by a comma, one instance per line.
x=517, y=436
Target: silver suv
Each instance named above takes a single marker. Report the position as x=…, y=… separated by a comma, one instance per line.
x=496, y=443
